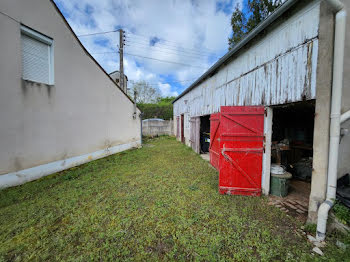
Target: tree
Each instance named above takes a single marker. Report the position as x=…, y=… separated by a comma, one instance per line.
x=145, y=93
x=163, y=108
x=166, y=100
x=244, y=22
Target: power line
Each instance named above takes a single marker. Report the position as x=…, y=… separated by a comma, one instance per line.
x=171, y=49
x=189, y=56
x=160, y=42
x=166, y=61
x=99, y=33
x=101, y=53
x=147, y=37
x=147, y=41
x=167, y=52
x=161, y=82
x=151, y=58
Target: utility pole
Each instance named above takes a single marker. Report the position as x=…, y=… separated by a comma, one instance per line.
x=135, y=111
x=121, y=62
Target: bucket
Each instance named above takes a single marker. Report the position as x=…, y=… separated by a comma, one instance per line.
x=279, y=184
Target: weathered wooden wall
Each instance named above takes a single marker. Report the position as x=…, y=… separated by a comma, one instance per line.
x=278, y=68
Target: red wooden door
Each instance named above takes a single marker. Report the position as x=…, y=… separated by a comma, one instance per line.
x=241, y=145
x=214, y=148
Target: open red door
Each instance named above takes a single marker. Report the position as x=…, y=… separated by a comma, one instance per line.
x=241, y=145
x=214, y=148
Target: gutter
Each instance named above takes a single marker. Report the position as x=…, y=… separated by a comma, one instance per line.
x=258, y=29
x=336, y=117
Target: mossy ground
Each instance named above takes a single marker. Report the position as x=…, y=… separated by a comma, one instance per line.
x=160, y=202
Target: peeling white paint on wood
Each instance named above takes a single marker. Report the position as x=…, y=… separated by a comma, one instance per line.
x=280, y=68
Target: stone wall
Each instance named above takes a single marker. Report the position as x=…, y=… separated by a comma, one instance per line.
x=157, y=127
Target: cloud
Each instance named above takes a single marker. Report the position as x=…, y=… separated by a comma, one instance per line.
x=165, y=90
x=188, y=36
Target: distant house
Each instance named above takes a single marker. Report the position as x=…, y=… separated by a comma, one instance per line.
x=116, y=77
x=59, y=108
x=279, y=89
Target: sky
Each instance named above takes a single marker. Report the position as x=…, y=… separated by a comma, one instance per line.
x=188, y=36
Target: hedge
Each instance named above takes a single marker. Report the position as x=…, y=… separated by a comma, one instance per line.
x=156, y=111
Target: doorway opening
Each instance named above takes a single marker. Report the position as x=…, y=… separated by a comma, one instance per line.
x=204, y=137
x=292, y=150
x=205, y=134
x=182, y=129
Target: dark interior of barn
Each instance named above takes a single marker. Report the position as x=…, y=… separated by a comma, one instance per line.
x=292, y=146
x=204, y=134
x=292, y=136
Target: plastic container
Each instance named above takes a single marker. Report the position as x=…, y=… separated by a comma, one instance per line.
x=279, y=184
x=277, y=169
x=205, y=142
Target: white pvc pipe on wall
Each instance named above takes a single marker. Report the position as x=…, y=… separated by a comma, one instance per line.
x=337, y=85
x=345, y=116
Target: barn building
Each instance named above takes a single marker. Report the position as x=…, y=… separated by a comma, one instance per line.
x=273, y=92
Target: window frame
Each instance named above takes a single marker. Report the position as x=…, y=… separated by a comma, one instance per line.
x=46, y=40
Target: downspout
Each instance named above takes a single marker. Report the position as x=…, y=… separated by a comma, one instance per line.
x=337, y=85
x=345, y=116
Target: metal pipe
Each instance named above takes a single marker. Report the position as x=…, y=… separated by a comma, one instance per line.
x=337, y=85
x=344, y=116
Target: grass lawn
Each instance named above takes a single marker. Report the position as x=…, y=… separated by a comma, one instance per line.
x=160, y=202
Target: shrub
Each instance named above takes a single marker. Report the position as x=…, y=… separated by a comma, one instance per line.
x=342, y=213
x=163, y=111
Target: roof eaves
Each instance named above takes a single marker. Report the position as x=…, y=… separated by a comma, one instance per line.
x=260, y=27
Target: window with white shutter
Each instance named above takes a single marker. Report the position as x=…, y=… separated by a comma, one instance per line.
x=37, y=57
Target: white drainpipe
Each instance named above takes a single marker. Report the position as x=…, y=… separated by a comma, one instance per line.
x=337, y=85
x=345, y=117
